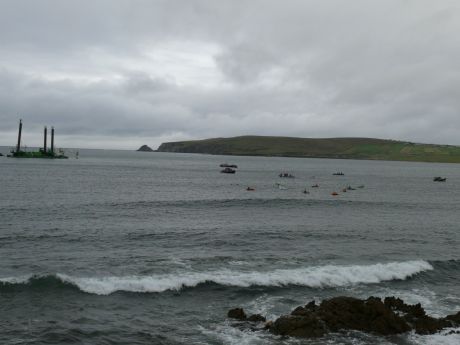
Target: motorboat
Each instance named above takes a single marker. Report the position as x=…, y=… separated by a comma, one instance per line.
x=226, y=165
x=228, y=171
x=439, y=179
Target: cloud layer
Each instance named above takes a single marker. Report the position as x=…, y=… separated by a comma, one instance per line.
x=118, y=74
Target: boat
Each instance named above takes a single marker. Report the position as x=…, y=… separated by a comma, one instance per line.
x=286, y=175
x=305, y=191
x=439, y=179
x=334, y=193
x=280, y=186
x=339, y=173
x=228, y=171
x=226, y=165
x=250, y=189
x=315, y=186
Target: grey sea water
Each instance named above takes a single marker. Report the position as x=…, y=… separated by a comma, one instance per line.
x=122, y=247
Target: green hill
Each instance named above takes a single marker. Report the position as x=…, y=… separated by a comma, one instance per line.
x=350, y=148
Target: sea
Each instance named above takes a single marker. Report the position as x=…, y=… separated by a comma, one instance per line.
x=121, y=247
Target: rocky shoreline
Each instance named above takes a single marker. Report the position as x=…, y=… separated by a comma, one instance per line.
x=373, y=315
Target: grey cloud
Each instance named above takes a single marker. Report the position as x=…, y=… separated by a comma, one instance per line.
x=303, y=68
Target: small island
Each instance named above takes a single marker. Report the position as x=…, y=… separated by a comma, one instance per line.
x=338, y=148
x=145, y=148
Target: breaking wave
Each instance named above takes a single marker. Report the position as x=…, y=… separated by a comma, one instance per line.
x=313, y=277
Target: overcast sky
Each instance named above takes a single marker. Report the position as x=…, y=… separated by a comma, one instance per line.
x=119, y=74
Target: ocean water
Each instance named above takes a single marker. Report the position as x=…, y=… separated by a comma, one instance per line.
x=122, y=247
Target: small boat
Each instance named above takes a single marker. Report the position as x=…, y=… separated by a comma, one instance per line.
x=226, y=165
x=228, y=171
x=315, y=186
x=305, y=191
x=344, y=190
x=361, y=186
x=350, y=188
x=250, y=189
x=334, y=193
x=339, y=173
x=280, y=186
x=286, y=175
x=439, y=179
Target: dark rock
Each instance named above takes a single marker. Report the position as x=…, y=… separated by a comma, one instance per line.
x=237, y=313
x=455, y=318
x=256, y=318
x=367, y=316
x=300, y=311
x=268, y=325
x=145, y=148
x=429, y=325
x=387, y=317
x=311, y=306
x=308, y=326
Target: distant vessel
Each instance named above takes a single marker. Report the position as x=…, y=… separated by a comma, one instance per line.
x=225, y=165
x=228, y=171
x=41, y=153
x=339, y=173
x=439, y=179
x=286, y=175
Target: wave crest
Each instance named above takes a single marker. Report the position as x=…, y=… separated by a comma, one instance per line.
x=313, y=277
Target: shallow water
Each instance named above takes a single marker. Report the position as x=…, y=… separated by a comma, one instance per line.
x=153, y=248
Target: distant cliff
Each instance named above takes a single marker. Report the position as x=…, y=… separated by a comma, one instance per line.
x=348, y=148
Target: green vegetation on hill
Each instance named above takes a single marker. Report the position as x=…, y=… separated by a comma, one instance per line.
x=350, y=148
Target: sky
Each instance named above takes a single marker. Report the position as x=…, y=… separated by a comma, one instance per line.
x=120, y=74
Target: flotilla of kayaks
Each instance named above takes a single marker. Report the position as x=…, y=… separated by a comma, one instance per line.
x=230, y=169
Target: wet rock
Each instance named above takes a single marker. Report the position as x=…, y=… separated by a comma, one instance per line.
x=237, y=313
x=370, y=315
x=387, y=317
x=455, y=318
x=305, y=326
x=268, y=325
x=256, y=318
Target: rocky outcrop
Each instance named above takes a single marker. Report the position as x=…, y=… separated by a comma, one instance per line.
x=373, y=315
x=237, y=313
x=145, y=148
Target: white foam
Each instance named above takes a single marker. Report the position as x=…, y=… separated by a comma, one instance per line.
x=448, y=336
x=228, y=335
x=16, y=280
x=315, y=277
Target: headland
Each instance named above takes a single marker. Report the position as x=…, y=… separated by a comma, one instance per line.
x=338, y=148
